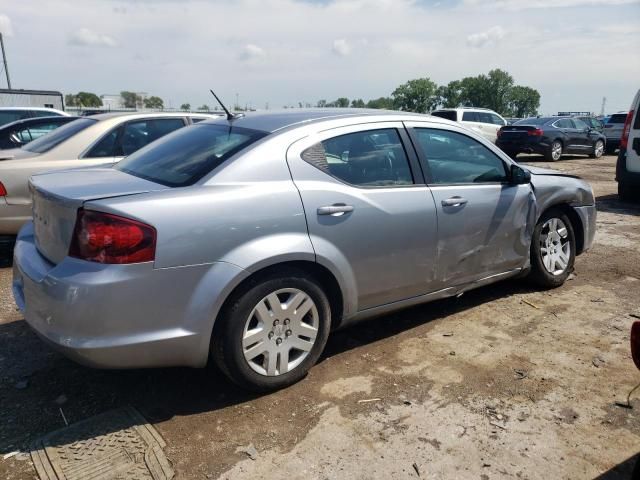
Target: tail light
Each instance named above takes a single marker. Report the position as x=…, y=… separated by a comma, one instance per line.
x=105, y=238
x=625, y=131
x=635, y=343
x=3, y=191
x=535, y=133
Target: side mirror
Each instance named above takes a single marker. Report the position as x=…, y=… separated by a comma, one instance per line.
x=519, y=175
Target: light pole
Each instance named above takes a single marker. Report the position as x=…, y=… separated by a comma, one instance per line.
x=4, y=59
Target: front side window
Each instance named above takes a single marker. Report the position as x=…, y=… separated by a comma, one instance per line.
x=563, y=123
x=373, y=158
x=186, y=155
x=454, y=158
x=579, y=124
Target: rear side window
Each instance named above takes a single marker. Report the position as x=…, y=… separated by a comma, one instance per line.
x=563, y=123
x=617, y=118
x=453, y=158
x=470, y=117
x=448, y=114
x=373, y=158
x=185, y=156
x=59, y=135
x=496, y=119
x=132, y=136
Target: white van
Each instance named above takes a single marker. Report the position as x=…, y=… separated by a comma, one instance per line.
x=628, y=166
x=484, y=121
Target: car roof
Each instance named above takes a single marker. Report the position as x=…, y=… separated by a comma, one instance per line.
x=136, y=115
x=38, y=109
x=273, y=120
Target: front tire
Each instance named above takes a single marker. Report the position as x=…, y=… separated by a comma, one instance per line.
x=272, y=332
x=553, y=250
x=598, y=149
x=554, y=152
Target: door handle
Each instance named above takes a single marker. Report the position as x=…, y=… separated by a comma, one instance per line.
x=454, y=202
x=335, y=210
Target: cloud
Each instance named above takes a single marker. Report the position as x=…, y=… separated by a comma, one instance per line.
x=251, y=52
x=493, y=35
x=5, y=26
x=514, y=5
x=341, y=47
x=88, y=38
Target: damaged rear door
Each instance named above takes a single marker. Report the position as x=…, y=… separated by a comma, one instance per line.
x=485, y=222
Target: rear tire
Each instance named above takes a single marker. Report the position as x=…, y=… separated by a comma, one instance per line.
x=554, y=152
x=598, y=149
x=256, y=337
x=553, y=250
x=625, y=193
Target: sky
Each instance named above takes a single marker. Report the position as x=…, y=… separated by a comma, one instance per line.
x=277, y=53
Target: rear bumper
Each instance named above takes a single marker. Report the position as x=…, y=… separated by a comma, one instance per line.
x=119, y=316
x=587, y=216
x=529, y=146
x=623, y=175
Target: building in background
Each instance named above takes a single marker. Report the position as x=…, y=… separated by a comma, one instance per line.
x=31, y=98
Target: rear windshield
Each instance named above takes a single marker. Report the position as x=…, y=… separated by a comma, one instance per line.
x=186, y=155
x=59, y=135
x=617, y=118
x=449, y=115
x=532, y=121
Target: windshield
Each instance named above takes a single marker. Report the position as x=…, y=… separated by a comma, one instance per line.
x=532, y=121
x=59, y=135
x=186, y=155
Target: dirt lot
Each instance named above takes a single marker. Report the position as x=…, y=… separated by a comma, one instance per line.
x=506, y=381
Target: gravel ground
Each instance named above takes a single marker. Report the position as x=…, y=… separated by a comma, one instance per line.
x=506, y=381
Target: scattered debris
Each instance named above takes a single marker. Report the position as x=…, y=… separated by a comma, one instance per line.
x=520, y=374
x=406, y=402
x=447, y=334
x=452, y=353
x=571, y=276
x=495, y=424
x=597, y=300
x=634, y=315
x=598, y=361
x=530, y=304
x=250, y=450
x=623, y=405
x=367, y=400
x=415, y=467
x=10, y=454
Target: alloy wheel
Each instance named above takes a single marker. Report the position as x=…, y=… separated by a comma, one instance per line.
x=556, y=150
x=555, y=246
x=280, y=332
x=598, y=150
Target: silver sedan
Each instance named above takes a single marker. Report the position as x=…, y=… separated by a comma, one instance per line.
x=248, y=239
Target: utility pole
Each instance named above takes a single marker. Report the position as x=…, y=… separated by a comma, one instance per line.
x=4, y=59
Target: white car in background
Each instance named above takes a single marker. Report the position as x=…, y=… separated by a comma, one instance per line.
x=13, y=114
x=97, y=140
x=628, y=165
x=481, y=120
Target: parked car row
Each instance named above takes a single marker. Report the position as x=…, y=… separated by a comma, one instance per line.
x=240, y=238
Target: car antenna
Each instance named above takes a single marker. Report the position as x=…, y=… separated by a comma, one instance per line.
x=230, y=116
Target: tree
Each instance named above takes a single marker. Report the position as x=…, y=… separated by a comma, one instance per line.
x=70, y=100
x=487, y=91
x=153, y=102
x=87, y=99
x=130, y=99
x=342, y=102
x=204, y=107
x=359, y=103
x=321, y=103
x=450, y=96
x=419, y=95
x=185, y=106
x=382, y=103
x=523, y=102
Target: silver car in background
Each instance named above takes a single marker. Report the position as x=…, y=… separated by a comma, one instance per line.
x=97, y=140
x=247, y=240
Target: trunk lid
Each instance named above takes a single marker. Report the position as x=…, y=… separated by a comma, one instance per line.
x=516, y=132
x=58, y=196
